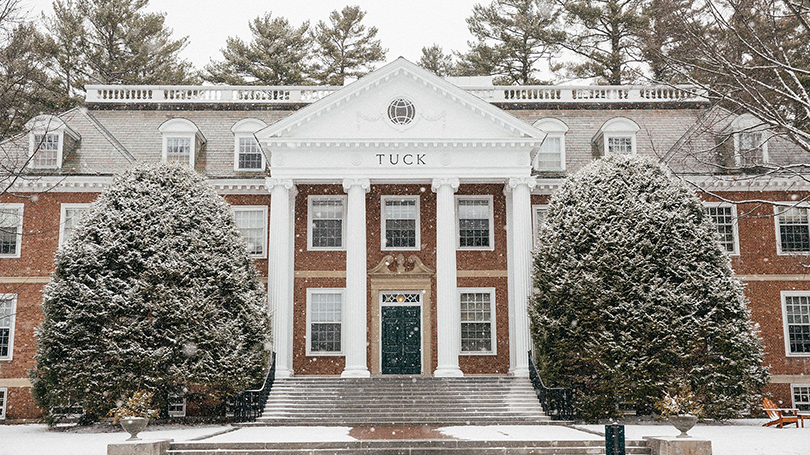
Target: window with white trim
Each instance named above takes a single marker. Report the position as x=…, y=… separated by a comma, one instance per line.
x=474, y=222
x=181, y=137
x=326, y=222
x=176, y=405
x=724, y=217
x=793, y=229
x=477, y=329
x=70, y=216
x=538, y=218
x=400, y=223
x=252, y=223
x=324, y=321
x=620, y=145
x=801, y=396
x=8, y=307
x=3, y=400
x=617, y=136
x=551, y=154
x=46, y=151
x=49, y=137
x=796, y=310
x=750, y=141
x=11, y=220
x=178, y=149
x=248, y=154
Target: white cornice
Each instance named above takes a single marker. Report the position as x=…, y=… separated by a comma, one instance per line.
x=403, y=143
x=95, y=184
x=748, y=183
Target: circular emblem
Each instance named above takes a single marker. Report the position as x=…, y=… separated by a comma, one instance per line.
x=357, y=160
x=401, y=111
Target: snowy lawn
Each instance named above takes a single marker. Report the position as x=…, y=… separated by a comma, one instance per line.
x=736, y=437
x=37, y=439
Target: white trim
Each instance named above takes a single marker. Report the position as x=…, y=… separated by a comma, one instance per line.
x=246, y=128
x=491, y=246
x=192, y=146
x=735, y=224
x=170, y=403
x=13, y=298
x=535, y=225
x=421, y=293
x=4, y=391
x=618, y=127
x=20, y=209
x=763, y=145
x=778, y=208
x=793, y=395
x=326, y=197
x=63, y=217
x=554, y=128
x=614, y=135
x=785, y=334
x=342, y=292
x=263, y=210
x=492, y=317
x=33, y=147
x=382, y=223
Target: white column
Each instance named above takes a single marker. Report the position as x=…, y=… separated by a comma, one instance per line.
x=521, y=231
x=510, y=258
x=448, y=317
x=280, y=266
x=355, y=331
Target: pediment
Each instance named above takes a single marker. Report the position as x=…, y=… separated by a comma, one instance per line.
x=438, y=111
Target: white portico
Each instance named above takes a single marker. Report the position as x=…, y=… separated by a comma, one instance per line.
x=400, y=125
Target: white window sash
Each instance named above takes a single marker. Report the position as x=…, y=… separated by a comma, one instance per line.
x=383, y=225
x=793, y=394
x=490, y=218
x=311, y=223
x=8, y=213
x=3, y=402
x=64, y=221
x=191, y=146
x=492, y=323
x=238, y=152
x=735, y=232
x=262, y=210
x=36, y=147
x=8, y=322
x=319, y=291
x=780, y=207
x=786, y=325
x=536, y=220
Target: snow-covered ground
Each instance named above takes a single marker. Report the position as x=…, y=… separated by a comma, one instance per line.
x=739, y=437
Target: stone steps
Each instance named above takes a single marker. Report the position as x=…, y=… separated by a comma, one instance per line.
x=404, y=447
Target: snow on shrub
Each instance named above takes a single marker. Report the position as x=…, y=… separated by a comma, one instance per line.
x=154, y=291
x=633, y=293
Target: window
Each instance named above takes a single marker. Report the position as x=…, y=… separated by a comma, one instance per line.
x=724, y=217
x=551, y=154
x=400, y=223
x=792, y=230
x=326, y=226
x=538, y=217
x=252, y=223
x=176, y=405
x=46, y=151
x=11, y=218
x=71, y=214
x=181, y=138
x=3, y=400
x=248, y=154
x=796, y=311
x=474, y=222
x=324, y=321
x=8, y=303
x=477, y=330
x=617, y=136
x=48, y=137
x=750, y=141
x=801, y=396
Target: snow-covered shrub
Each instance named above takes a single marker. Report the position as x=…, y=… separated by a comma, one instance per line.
x=154, y=291
x=633, y=292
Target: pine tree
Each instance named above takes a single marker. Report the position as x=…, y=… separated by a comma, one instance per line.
x=344, y=47
x=154, y=291
x=634, y=295
x=278, y=55
x=436, y=61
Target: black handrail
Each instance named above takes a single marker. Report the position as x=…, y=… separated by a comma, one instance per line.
x=248, y=404
x=557, y=402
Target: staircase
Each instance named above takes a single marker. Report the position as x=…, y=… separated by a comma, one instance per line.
x=402, y=400
x=404, y=447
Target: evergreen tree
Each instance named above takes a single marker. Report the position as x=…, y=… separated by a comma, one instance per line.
x=345, y=47
x=436, y=61
x=513, y=35
x=277, y=55
x=634, y=295
x=154, y=291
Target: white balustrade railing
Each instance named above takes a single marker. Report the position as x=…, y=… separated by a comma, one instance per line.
x=544, y=94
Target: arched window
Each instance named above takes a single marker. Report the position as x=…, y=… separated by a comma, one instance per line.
x=247, y=154
x=551, y=155
x=750, y=137
x=48, y=139
x=617, y=136
x=181, y=140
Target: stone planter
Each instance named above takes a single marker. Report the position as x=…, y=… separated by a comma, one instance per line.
x=683, y=423
x=133, y=426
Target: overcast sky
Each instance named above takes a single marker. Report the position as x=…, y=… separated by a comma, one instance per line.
x=405, y=26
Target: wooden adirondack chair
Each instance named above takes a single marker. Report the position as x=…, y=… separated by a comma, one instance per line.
x=781, y=416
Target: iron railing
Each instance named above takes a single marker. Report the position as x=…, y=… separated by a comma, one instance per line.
x=248, y=404
x=557, y=402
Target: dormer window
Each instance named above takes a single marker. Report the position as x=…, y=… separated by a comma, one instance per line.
x=617, y=137
x=551, y=154
x=750, y=141
x=47, y=141
x=248, y=154
x=181, y=140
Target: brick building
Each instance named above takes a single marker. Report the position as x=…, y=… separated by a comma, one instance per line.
x=393, y=217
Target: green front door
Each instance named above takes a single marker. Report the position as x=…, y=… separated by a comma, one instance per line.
x=401, y=340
